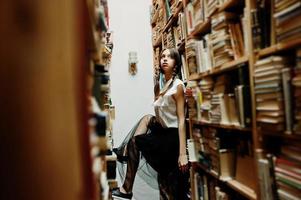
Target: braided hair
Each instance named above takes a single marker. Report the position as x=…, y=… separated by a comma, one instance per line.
x=160, y=86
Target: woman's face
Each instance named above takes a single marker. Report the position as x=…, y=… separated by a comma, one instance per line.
x=167, y=63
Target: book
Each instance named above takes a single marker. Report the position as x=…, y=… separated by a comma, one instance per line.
x=265, y=180
x=286, y=81
x=243, y=99
x=227, y=164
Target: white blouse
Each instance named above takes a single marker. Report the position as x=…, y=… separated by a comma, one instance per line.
x=166, y=108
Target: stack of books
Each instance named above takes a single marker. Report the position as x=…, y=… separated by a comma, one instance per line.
x=272, y=92
x=222, y=48
x=287, y=15
x=219, y=101
x=206, y=88
x=191, y=56
x=288, y=172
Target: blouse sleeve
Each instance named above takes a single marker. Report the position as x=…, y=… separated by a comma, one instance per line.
x=174, y=88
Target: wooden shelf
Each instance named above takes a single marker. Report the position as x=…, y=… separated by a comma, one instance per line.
x=225, y=67
x=283, y=135
x=242, y=189
x=197, y=165
x=228, y=4
x=173, y=17
x=228, y=127
x=279, y=47
x=234, y=184
x=200, y=28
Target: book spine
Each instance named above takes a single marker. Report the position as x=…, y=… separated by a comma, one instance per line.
x=286, y=81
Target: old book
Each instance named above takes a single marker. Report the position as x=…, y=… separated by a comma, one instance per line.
x=286, y=81
x=270, y=119
x=265, y=181
x=269, y=96
x=242, y=95
x=227, y=164
x=277, y=113
x=269, y=105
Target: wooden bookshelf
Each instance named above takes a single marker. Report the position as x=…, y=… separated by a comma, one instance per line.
x=279, y=47
x=292, y=136
x=173, y=17
x=234, y=184
x=223, y=126
x=228, y=4
x=201, y=28
x=197, y=165
x=242, y=189
x=244, y=182
x=218, y=70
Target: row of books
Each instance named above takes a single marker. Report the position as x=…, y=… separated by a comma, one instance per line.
x=287, y=15
x=158, y=23
x=279, y=23
x=280, y=176
x=174, y=36
x=261, y=25
x=276, y=82
x=200, y=11
x=212, y=102
x=268, y=76
x=198, y=55
x=195, y=13
x=206, y=188
x=226, y=38
x=212, y=152
x=225, y=43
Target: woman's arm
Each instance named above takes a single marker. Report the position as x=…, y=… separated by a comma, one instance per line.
x=180, y=102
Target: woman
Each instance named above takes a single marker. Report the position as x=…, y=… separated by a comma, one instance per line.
x=160, y=139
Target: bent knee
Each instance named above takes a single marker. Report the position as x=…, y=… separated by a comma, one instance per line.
x=147, y=118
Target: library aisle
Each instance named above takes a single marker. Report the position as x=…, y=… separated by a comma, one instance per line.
x=76, y=76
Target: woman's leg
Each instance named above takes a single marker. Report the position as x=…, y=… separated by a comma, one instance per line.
x=142, y=128
x=134, y=155
x=163, y=188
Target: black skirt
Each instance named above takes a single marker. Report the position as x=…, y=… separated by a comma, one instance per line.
x=160, y=147
x=158, y=166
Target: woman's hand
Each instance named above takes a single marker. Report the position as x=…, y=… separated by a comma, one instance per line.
x=183, y=163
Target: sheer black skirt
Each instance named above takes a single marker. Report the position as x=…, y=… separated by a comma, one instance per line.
x=152, y=151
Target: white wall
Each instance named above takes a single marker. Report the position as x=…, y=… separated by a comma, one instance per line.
x=131, y=95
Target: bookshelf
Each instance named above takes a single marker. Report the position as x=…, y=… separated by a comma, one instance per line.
x=279, y=48
x=201, y=28
x=101, y=111
x=279, y=147
x=228, y=4
x=45, y=147
x=292, y=137
x=235, y=185
x=245, y=190
x=260, y=39
x=225, y=67
x=227, y=127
